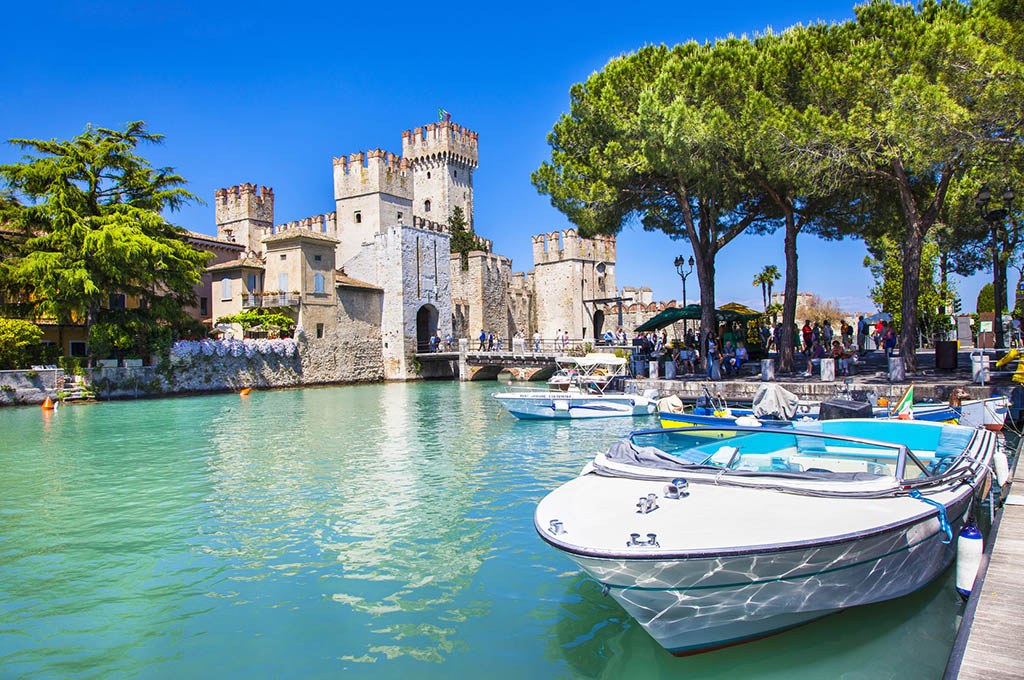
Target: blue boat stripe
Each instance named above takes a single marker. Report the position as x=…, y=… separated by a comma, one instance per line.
x=780, y=578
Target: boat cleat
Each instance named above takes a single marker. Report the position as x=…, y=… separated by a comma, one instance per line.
x=648, y=503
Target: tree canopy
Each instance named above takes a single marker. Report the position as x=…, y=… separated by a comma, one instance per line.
x=84, y=220
x=863, y=128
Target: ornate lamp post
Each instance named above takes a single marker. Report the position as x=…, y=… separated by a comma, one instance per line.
x=995, y=219
x=683, y=273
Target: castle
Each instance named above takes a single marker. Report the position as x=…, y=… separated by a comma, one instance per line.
x=375, y=276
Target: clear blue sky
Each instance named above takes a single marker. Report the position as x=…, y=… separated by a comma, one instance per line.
x=269, y=93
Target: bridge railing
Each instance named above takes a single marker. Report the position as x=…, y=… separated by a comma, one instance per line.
x=510, y=346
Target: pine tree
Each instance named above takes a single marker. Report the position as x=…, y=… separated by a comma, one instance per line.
x=86, y=214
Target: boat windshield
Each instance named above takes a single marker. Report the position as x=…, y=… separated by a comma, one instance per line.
x=771, y=451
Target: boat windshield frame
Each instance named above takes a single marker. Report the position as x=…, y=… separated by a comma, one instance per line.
x=903, y=451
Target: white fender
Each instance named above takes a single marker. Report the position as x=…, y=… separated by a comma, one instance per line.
x=968, y=558
x=1002, y=467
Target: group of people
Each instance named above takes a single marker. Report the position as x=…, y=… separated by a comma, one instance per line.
x=437, y=345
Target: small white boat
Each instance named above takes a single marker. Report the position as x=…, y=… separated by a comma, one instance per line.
x=597, y=368
x=576, y=402
x=579, y=392
x=746, y=534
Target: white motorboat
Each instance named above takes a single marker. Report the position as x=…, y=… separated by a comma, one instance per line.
x=581, y=401
x=596, y=368
x=752, y=531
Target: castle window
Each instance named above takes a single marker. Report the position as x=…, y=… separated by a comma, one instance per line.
x=358, y=217
x=428, y=175
x=284, y=256
x=426, y=206
x=318, y=284
x=116, y=301
x=316, y=258
x=204, y=306
x=282, y=282
x=399, y=216
x=225, y=289
x=319, y=330
x=252, y=283
x=455, y=173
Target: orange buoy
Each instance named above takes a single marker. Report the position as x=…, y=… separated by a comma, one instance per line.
x=883, y=402
x=47, y=405
x=246, y=391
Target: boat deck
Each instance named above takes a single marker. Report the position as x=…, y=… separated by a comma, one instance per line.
x=995, y=646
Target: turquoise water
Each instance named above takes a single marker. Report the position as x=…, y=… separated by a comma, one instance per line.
x=375, y=531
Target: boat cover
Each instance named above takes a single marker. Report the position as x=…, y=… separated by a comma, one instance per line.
x=774, y=400
x=672, y=404
x=624, y=451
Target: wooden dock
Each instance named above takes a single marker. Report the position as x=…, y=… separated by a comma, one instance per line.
x=991, y=641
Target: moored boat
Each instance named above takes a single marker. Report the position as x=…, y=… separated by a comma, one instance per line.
x=757, y=530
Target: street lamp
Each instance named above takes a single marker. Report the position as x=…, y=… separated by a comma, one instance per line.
x=995, y=219
x=683, y=273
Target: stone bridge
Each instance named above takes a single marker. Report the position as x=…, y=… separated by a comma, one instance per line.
x=466, y=365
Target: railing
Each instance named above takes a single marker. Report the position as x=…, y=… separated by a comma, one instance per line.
x=507, y=346
x=271, y=300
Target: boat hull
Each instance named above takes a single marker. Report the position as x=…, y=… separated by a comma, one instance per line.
x=695, y=604
x=569, y=405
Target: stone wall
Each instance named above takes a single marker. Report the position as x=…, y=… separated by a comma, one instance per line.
x=352, y=352
x=482, y=293
x=27, y=387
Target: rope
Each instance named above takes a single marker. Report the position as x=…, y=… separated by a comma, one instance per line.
x=943, y=522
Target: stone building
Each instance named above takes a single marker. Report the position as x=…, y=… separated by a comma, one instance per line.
x=387, y=233
x=570, y=273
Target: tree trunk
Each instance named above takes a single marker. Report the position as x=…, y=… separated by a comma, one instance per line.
x=786, y=339
x=998, y=289
x=705, y=259
x=911, y=289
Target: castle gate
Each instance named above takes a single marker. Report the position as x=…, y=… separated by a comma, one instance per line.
x=426, y=326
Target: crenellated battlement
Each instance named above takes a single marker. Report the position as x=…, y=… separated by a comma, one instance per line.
x=372, y=171
x=559, y=246
x=429, y=225
x=521, y=284
x=444, y=140
x=242, y=212
x=326, y=223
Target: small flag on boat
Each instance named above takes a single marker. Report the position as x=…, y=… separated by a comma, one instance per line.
x=443, y=115
x=905, y=406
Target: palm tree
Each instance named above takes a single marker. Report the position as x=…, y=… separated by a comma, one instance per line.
x=766, y=279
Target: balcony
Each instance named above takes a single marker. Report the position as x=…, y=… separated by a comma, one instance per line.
x=264, y=300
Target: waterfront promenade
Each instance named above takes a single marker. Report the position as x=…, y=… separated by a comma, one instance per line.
x=870, y=375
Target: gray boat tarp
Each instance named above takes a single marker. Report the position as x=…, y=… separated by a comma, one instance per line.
x=773, y=400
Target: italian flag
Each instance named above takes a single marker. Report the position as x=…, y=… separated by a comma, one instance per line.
x=904, y=408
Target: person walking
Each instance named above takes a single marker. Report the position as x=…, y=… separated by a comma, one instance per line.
x=483, y=340
x=536, y=341
x=490, y=342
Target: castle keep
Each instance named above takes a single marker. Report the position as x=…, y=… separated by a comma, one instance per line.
x=375, y=279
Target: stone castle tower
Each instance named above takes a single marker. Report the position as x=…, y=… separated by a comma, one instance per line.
x=443, y=157
x=244, y=213
x=569, y=273
x=373, y=192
